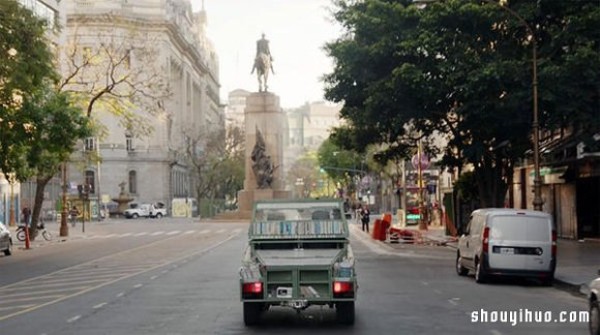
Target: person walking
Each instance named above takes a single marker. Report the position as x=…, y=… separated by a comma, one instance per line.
x=73, y=214
x=364, y=217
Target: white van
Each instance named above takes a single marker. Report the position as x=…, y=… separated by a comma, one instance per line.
x=508, y=242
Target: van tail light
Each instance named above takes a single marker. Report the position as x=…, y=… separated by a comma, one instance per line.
x=343, y=289
x=554, y=243
x=486, y=239
x=252, y=290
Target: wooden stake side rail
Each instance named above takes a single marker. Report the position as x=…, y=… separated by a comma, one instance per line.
x=298, y=229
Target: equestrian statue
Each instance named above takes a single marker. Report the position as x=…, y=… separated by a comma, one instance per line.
x=263, y=62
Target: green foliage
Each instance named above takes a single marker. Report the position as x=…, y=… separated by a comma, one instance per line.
x=26, y=71
x=340, y=165
x=463, y=70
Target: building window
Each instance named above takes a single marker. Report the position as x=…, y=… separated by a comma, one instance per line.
x=129, y=142
x=90, y=180
x=89, y=144
x=132, y=182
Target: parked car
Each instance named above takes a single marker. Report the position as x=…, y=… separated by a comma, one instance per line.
x=508, y=242
x=145, y=210
x=593, y=297
x=6, y=243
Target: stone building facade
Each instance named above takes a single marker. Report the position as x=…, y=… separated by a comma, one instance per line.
x=154, y=164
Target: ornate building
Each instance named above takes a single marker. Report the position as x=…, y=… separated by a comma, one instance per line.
x=148, y=144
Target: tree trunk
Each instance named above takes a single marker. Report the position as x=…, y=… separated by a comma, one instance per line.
x=37, y=205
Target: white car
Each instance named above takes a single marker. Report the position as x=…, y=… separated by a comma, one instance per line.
x=593, y=297
x=508, y=242
x=6, y=243
x=145, y=210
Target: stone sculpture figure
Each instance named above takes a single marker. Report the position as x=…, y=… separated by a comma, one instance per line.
x=261, y=163
x=263, y=63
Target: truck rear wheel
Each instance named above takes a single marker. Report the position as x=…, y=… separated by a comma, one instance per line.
x=344, y=312
x=252, y=311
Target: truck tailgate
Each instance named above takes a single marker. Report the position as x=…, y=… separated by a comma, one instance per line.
x=298, y=257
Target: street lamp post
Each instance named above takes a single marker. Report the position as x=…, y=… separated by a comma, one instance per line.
x=64, y=228
x=537, y=181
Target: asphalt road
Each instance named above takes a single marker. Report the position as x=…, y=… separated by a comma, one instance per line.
x=177, y=277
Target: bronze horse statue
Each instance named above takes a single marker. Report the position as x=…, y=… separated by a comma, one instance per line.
x=262, y=65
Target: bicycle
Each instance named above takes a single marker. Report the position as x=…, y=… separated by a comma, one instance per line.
x=40, y=229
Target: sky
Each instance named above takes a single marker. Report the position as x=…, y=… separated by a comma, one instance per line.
x=297, y=31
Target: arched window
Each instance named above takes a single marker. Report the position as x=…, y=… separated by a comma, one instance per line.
x=132, y=182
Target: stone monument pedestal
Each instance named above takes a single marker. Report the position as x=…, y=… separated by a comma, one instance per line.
x=263, y=114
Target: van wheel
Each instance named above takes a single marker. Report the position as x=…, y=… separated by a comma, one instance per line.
x=460, y=270
x=594, y=318
x=480, y=276
x=8, y=250
x=344, y=312
x=252, y=311
x=548, y=281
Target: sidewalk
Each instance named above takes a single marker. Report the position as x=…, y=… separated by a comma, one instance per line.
x=577, y=265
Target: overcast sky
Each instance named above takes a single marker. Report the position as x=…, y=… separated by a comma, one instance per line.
x=296, y=29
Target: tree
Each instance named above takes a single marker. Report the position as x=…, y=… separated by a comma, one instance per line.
x=39, y=125
x=119, y=74
x=26, y=69
x=304, y=175
x=217, y=160
x=462, y=69
x=342, y=166
x=57, y=125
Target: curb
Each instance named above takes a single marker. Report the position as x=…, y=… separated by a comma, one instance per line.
x=580, y=290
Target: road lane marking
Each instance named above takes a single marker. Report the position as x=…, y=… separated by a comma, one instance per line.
x=153, y=277
x=73, y=319
x=15, y=307
x=138, y=285
x=125, y=235
x=100, y=305
x=173, y=232
x=220, y=231
x=120, y=294
x=141, y=234
x=189, y=232
x=495, y=332
x=151, y=267
x=453, y=301
x=157, y=233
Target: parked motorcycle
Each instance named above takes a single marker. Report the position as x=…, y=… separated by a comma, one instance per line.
x=40, y=229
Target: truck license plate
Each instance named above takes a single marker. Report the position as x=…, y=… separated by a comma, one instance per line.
x=507, y=251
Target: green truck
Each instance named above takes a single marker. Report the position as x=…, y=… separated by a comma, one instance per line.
x=298, y=255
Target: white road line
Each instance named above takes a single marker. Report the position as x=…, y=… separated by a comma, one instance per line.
x=141, y=234
x=425, y=283
x=153, y=277
x=110, y=235
x=220, y=231
x=100, y=305
x=205, y=231
x=15, y=307
x=138, y=285
x=173, y=232
x=453, y=302
x=73, y=319
x=495, y=332
x=237, y=231
x=126, y=234
x=157, y=233
x=189, y=232
x=120, y=294
x=437, y=291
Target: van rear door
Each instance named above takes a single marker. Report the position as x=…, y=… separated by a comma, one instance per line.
x=520, y=242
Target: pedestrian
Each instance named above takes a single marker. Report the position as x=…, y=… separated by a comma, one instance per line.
x=364, y=217
x=73, y=214
x=26, y=215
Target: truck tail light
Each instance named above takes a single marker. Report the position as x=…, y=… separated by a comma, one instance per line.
x=343, y=289
x=252, y=290
x=486, y=240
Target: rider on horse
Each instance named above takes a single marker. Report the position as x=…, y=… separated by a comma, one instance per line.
x=263, y=61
